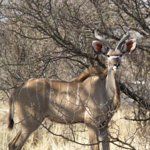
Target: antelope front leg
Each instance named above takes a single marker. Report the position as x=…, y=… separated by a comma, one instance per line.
x=103, y=135
x=93, y=137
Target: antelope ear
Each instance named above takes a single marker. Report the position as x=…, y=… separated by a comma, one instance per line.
x=130, y=46
x=99, y=47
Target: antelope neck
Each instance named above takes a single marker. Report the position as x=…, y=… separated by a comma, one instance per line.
x=112, y=88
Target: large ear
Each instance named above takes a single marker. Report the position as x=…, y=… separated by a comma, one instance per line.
x=129, y=46
x=99, y=47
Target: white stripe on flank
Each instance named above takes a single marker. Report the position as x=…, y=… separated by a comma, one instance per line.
x=50, y=90
x=38, y=101
x=78, y=95
x=68, y=97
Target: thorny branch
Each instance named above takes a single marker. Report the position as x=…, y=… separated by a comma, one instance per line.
x=49, y=38
x=114, y=140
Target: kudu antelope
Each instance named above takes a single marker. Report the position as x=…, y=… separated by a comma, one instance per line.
x=91, y=101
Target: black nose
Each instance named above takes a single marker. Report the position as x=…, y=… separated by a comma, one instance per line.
x=117, y=65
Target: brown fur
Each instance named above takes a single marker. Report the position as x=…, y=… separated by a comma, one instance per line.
x=92, y=98
x=40, y=98
x=91, y=71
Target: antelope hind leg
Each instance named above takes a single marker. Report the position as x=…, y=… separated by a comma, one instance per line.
x=11, y=145
x=28, y=126
x=19, y=140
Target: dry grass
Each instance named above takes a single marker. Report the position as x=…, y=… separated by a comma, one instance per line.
x=126, y=131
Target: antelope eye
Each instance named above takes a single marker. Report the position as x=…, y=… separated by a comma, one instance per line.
x=108, y=55
x=107, y=48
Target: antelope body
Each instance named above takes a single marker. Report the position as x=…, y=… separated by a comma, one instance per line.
x=92, y=101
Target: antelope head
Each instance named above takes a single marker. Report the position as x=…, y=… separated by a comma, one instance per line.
x=125, y=45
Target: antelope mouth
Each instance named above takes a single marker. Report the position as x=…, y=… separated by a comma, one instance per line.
x=116, y=67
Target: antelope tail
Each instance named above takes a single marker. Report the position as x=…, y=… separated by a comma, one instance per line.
x=11, y=114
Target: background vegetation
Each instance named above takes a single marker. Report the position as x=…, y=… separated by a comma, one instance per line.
x=52, y=39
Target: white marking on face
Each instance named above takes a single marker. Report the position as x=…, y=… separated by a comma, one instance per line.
x=112, y=57
x=115, y=68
